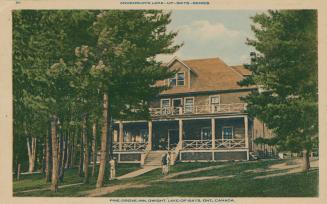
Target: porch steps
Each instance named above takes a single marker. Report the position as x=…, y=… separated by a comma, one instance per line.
x=154, y=158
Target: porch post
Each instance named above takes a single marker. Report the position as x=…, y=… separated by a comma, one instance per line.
x=213, y=133
x=246, y=131
x=180, y=132
x=150, y=135
x=121, y=135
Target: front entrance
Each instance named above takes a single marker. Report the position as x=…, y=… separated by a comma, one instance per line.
x=169, y=141
x=173, y=138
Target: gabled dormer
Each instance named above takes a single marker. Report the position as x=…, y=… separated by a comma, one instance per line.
x=183, y=76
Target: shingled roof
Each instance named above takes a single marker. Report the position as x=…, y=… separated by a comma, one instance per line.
x=210, y=74
x=242, y=70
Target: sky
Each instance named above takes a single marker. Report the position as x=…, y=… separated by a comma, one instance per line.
x=212, y=33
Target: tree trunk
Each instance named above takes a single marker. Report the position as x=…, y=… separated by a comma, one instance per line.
x=48, y=164
x=305, y=160
x=18, y=172
x=72, y=151
x=67, y=153
x=31, y=149
x=60, y=155
x=54, y=180
x=44, y=152
x=94, y=147
x=81, y=157
x=64, y=157
x=103, y=151
x=86, y=151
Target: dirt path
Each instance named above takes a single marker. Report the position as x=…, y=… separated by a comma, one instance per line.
x=201, y=178
x=295, y=167
x=137, y=172
x=110, y=189
x=48, y=188
x=194, y=171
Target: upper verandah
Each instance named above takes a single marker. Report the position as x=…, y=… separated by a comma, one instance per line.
x=202, y=75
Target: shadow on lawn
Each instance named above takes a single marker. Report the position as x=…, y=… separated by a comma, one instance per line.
x=265, y=178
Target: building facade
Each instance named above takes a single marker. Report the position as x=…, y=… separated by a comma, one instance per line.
x=199, y=118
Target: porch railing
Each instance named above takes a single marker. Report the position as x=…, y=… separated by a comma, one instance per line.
x=219, y=144
x=230, y=143
x=130, y=146
x=200, y=109
x=197, y=144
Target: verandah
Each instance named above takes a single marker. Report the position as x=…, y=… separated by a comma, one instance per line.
x=196, y=133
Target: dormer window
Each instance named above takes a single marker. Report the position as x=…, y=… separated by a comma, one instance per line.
x=178, y=80
x=172, y=82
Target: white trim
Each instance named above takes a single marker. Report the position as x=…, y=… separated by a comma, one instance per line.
x=177, y=59
x=180, y=72
x=222, y=132
x=211, y=96
x=216, y=150
x=193, y=99
x=176, y=79
x=176, y=119
x=165, y=99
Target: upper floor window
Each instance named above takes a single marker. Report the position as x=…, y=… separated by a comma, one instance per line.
x=177, y=80
x=180, y=79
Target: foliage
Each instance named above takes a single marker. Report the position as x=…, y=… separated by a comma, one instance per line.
x=285, y=69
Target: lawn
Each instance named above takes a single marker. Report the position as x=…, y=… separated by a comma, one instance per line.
x=237, y=179
x=37, y=181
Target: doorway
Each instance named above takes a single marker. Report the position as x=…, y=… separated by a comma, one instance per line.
x=173, y=138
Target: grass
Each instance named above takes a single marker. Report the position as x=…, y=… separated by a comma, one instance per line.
x=242, y=184
x=37, y=181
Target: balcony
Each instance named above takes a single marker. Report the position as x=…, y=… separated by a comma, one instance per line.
x=200, y=109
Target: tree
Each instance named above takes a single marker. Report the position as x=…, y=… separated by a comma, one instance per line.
x=285, y=69
x=42, y=88
x=126, y=69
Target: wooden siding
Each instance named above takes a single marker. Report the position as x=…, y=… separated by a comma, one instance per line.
x=203, y=99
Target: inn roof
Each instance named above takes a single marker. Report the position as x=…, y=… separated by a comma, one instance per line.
x=210, y=74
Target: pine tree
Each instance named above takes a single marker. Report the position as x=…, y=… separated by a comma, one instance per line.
x=285, y=70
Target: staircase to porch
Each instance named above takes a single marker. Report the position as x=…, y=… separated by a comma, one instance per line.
x=154, y=158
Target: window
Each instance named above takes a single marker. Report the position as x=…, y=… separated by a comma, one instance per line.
x=214, y=103
x=165, y=106
x=206, y=133
x=214, y=99
x=172, y=82
x=227, y=132
x=177, y=80
x=188, y=104
x=165, y=103
x=180, y=79
x=177, y=102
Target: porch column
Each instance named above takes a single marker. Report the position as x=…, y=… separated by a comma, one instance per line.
x=149, y=135
x=180, y=132
x=213, y=133
x=121, y=135
x=246, y=131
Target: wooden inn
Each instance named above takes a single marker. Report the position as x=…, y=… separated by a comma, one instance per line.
x=200, y=118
